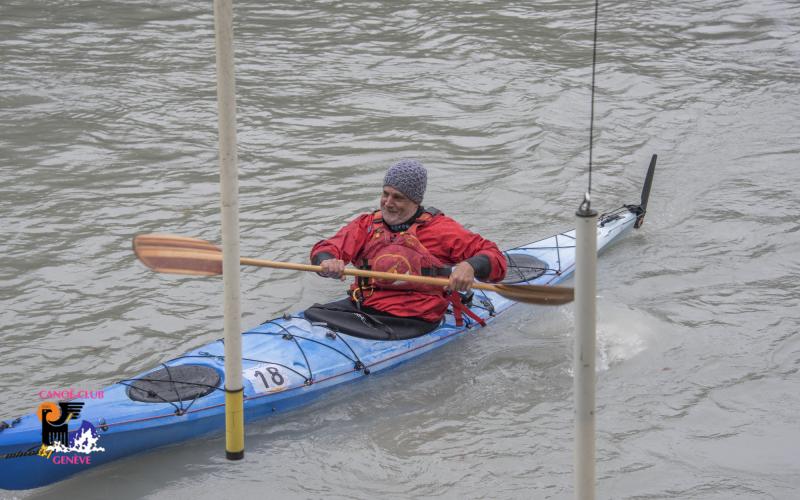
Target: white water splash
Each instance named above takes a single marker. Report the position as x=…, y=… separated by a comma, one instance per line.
x=85, y=442
x=622, y=333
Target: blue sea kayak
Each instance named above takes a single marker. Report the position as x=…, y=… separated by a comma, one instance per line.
x=288, y=362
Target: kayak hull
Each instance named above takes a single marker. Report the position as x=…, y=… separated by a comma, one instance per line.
x=288, y=363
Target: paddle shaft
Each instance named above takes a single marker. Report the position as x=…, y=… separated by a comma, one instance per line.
x=364, y=273
x=181, y=255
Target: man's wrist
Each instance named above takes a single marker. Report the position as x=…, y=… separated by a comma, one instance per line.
x=317, y=259
x=481, y=265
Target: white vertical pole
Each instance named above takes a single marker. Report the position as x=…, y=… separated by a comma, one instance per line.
x=229, y=190
x=584, y=352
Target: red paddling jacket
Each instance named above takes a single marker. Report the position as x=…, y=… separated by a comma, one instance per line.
x=433, y=241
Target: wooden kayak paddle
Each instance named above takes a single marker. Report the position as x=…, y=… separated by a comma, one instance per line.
x=165, y=253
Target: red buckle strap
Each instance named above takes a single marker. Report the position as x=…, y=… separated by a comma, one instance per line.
x=459, y=310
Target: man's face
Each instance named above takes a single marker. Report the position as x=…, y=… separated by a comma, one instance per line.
x=396, y=208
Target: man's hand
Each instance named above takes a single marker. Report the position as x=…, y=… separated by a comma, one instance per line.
x=332, y=268
x=462, y=277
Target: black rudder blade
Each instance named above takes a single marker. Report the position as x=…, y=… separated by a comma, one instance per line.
x=648, y=182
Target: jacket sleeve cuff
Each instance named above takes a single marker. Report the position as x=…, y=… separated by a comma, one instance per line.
x=482, y=266
x=316, y=259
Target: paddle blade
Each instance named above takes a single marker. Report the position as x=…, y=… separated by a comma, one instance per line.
x=165, y=253
x=533, y=294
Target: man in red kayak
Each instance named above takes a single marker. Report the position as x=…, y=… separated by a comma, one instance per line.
x=405, y=237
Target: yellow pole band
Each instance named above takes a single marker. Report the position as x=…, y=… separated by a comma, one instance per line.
x=234, y=424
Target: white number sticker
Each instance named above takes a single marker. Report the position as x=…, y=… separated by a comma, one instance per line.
x=266, y=378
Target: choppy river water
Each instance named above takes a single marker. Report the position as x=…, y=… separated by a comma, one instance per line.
x=108, y=129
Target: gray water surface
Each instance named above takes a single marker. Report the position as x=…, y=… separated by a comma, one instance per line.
x=108, y=129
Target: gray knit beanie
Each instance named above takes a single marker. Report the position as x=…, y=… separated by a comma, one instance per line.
x=409, y=177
